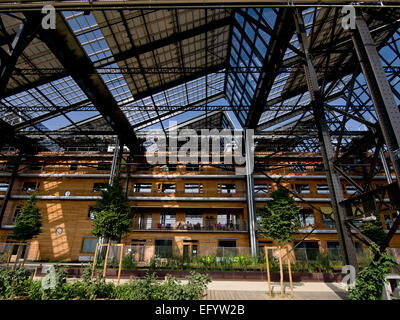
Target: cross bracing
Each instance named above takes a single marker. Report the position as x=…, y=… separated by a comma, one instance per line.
x=160, y=63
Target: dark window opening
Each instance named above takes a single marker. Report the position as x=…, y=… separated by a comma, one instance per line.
x=105, y=166
x=306, y=217
x=91, y=213
x=163, y=249
x=306, y=251
x=192, y=167
x=319, y=168
x=227, y=248
x=98, y=186
x=302, y=188
x=36, y=166
x=73, y=166
x=226, y=188
x=30, y=186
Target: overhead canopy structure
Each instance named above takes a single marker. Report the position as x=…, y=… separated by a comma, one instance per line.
x=106, y=73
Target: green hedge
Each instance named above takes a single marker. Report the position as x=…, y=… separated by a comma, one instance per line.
x=17, y=284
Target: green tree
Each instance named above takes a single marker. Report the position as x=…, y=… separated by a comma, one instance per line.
x=29, y=222
x=112, y=214
x=373, y=230
x=279, y=217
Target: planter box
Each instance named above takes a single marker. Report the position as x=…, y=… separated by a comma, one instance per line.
x=215, y=275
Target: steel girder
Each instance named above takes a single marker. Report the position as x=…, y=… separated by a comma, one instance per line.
x=379, y=89
x=71, y=55
x=23, y=37
x=283, y=30
x=333, y=179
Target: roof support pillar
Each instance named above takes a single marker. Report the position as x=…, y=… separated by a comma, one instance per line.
x=327, y=152
x=251, y=204
x=10, y=186
x=116, y=162
x=381, y=93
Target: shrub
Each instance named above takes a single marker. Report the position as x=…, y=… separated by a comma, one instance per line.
x=129, y=263
x=14, y=283
x=370, y=280
x=208, y=261
x=151, y=289
x=244, y=260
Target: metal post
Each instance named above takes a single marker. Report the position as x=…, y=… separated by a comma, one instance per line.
x=10, y=186
x=251, y=205
x=379, y=88
x=115, y=162
x=327, y=152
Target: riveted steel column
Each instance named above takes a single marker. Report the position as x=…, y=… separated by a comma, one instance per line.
x=10, y=186
x=251, y=205
x=333, y=179
x=381, y=93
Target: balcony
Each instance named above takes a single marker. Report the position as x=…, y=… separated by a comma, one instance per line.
x=188, y=227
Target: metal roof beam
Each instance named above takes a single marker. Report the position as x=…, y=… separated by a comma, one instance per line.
x=284, y=30
x=156, y=44
x=72, y=56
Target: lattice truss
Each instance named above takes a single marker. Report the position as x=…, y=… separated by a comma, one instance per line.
x=160, y=64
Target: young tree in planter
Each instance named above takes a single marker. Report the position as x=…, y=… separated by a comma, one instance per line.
x=279, y=220
x=28, y=223
x=279, y=217
x=112, y=214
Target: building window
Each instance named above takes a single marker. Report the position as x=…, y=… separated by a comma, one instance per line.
x=171, y=167
x=194, y=220
x=302, y=188
x=334, y=253
x=319, y=168
x=143, y=166
x=91, y=213
x=262, y=188
x=227, y=167
x=73, y=166
x=104, y=166
x=142, y=187
x=226, y=188
x=327, y=217
x=30, y=186
x=192, y=167
x=306, y=251
x=299, y=168
x=226, y=248
x=167, y=218
x=16, y=213
x=306, y=217
x=138, y=249
x=3, y=186
x=322, y=189
x=350, y=189
x=163, y=249
x=193, y=188
x=143, y=221
x=99, y=186
x=36, y=166
x=89, y=245
x=228, y=222
x=388, y=221
x=166, y=187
